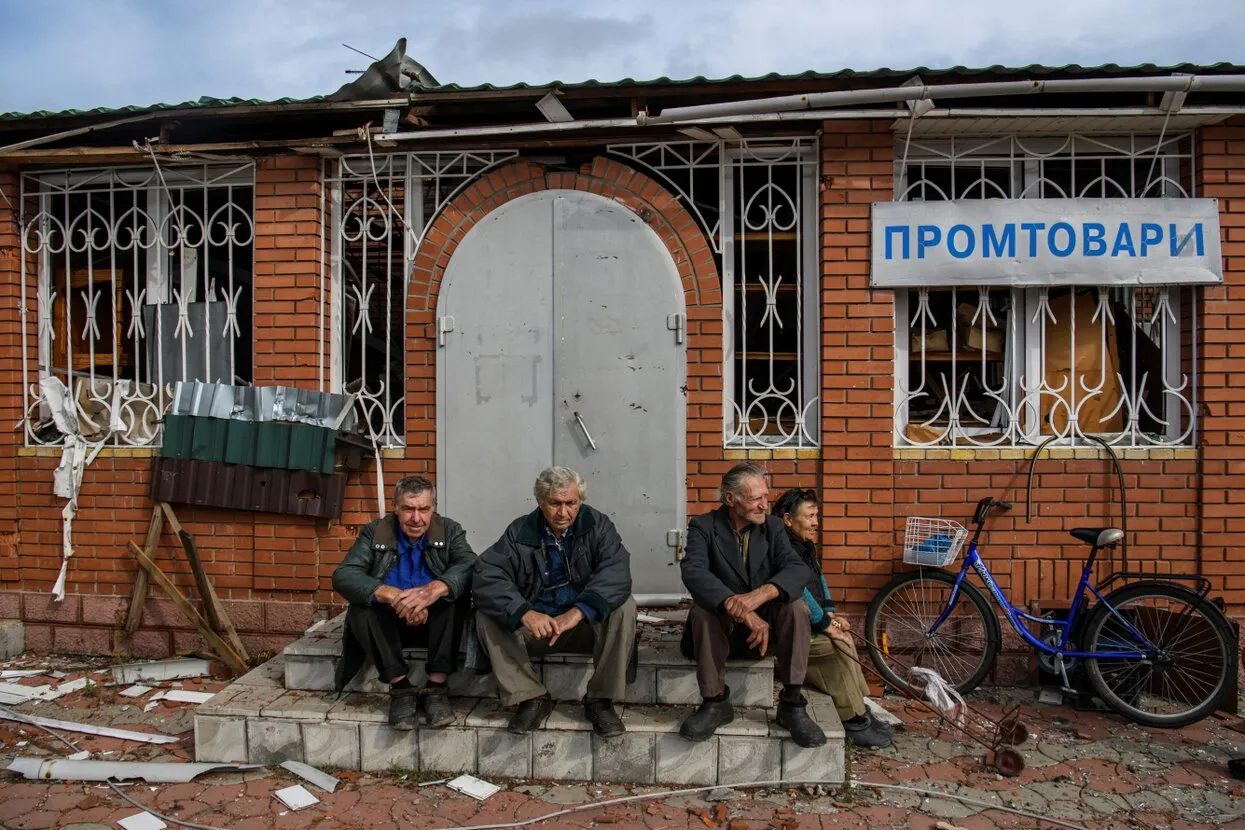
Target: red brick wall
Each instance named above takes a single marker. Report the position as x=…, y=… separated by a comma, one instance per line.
x=869, y=489
x=268, y=569
x=274, y=571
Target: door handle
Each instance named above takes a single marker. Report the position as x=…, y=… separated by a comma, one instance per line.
x=584, y=427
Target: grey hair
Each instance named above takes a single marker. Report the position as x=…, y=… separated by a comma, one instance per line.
x=413, y=486
x=552, y=479
x=733, y=481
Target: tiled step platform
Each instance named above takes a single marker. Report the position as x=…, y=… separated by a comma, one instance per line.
x=258, y=720
x=663, y=675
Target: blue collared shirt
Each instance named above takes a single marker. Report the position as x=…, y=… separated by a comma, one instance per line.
x=557, y=594
x=410, y=570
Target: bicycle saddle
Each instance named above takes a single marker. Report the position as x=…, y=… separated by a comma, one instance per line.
x=1098, y=537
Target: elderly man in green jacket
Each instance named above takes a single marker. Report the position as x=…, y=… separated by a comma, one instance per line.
x=408, y=580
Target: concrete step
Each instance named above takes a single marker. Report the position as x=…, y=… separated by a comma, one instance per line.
x=255, y=720
x=663, y=675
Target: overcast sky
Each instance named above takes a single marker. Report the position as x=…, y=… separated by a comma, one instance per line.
x=59, y=54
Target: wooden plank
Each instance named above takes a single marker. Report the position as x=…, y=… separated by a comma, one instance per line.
x=217, y=617
x=223, y=649
x=139, y=595
x=196, y=566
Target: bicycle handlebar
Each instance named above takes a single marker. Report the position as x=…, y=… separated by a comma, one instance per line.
x=985, y=506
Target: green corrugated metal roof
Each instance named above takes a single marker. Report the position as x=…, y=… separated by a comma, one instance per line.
x=205, y=102
x=873, y=74
x=927, y=73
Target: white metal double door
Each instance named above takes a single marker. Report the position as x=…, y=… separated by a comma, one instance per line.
x=561, y=342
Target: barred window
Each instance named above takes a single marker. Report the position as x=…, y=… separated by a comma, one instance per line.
x=143, y=278
x=997, y=366
x=756, y=200
x=381, y=205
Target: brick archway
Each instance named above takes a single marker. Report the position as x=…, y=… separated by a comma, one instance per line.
x=660, y=210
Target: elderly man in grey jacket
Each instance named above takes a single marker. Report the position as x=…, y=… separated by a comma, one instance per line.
x=558, y=579
x=747, y=586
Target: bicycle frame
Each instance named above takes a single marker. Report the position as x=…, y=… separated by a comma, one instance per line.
x=1015, y=616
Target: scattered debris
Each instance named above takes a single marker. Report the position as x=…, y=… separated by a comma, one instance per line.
x=74, y=686
x=722, y=794
x=183, y=696
x=308, y=773
x=88, y=728
x=17, y=693
x=477, y=788
x=80, y=756
x=650, y=619
x=135, y=691
x=296, y=797
x=141, y=821
x=162, y=670
x=1050, y=696
x=63, y=769
x=8, y=674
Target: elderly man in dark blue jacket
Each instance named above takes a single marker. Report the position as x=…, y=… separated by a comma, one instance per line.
x=558, y=579
x=747, y=586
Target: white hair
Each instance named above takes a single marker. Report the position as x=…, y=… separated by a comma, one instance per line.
x=552, y=479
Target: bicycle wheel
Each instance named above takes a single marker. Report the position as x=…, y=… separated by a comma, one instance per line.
x=1186, y=680
x=963, y=648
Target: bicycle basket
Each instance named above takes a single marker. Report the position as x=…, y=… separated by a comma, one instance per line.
x=933, y=542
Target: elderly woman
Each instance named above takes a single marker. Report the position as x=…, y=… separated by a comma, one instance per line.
x=833, y=666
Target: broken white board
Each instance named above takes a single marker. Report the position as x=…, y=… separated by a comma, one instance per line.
x=183, y=696
x=161, y=670
x=477, y=788
x=74, y=686
x=16, y=693
x=296, y=797
x=9, y=674
x=89, y=729
x=141, y=821
x=309, y=773
x=135, y=691
x=63, y=769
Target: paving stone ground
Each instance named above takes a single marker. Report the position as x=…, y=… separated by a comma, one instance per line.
x=1087, y=769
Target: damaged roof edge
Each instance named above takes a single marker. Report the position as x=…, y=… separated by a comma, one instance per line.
x=420, y=93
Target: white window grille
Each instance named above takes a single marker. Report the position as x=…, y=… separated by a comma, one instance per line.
x=756, y=201
x=381, y=206
x=143, y=277
x=995, y=366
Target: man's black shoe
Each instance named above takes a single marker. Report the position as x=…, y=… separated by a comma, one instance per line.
x=866, y=732
x=528, y=716
x=605, y=721
x=403, y=708
x=794, y=718
x=437, y=709
x=711, y=714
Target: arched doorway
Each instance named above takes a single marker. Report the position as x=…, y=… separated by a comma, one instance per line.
x=560, y=343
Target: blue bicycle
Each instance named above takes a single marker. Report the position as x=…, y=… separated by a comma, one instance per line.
x=1157, y=652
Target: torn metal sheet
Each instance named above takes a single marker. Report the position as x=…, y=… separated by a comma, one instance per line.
x=296, y=797
x=264, y=403
x=88, y=728
x=63, y=769
x=238, y=487
x=162, y=670
x=67, y=478
x=312, y=775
